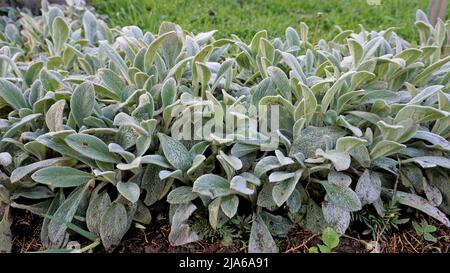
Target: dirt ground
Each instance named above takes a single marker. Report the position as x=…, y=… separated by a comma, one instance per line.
x=26, y=238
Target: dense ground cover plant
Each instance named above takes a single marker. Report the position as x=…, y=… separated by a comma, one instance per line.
x=87, y=114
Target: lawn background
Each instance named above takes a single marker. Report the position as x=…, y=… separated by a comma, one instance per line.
x=245, y=17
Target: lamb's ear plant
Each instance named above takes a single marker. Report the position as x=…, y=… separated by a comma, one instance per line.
x=89, y=115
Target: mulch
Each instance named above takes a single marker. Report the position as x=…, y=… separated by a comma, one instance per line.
x=154, y=239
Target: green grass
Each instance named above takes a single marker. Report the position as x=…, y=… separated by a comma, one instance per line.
x=244, y=20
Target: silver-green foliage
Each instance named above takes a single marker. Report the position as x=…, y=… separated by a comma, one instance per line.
x=86, y=113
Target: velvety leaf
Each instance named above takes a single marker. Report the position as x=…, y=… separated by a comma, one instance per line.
x=261, y=240
x=60, y=33
x=175, y=152
x=340, y=160
x=12, y=95
x=180, y=232
x=129, y=190
x=91, y=147
x=113, y=226
x=342, y=197
x=82, y=102
x=181, y=195
x=336, y=217
x=55, y=116
x=212, y=185
x=368, y=188
x=65, y=212
x=229, y=205
x=95, y=211
x=61, y=177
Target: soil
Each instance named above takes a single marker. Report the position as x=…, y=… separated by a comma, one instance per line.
x=26, y=237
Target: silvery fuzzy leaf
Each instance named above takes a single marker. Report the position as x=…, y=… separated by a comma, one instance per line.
x=178, y=174
x=91, y=147
x=5, y=159
x=214, y=209
x=21, y=172
x=280, y=176
x=251, y=178
x=171, y=47
x=432, y=193
x=283, y=190
x=60, y=34
x=199, y=148
x=175, y=152
x=368, y=188
x=346, y=144
x=310, y=103
x=82, y=102
x=339, y=178
x=232, y=161
x=430, y=161
x=229, y=205
x=116, y=148
x=281, y=82
x=313, y=219
x=338, y=218
x=181, y=195
x=266, y=164
x=265, y=198
x=129, y=190
x=61, y=177
x=55, y=115
x=419, y=203
x=340, y=160
x=153, y=186
x=439, y=180
x=387, y=164
x=356, y=51
x=425, y=93
x=342, y=197
x=196, y=162
x=153, y=47
x=113, y=226
x=112, y=82
x=180, y=232
x=95, y=211
x=261, y=240
x=18, y=126
x=36, y=192
x=283, y=159
x=294, y=64
x=5, y=233
x=143, y=214
x=411, y=175
x=385, y=148
x=12, y=95
x=401, y=132
x=427, y=72
x=157, y=160
x=420, y=114
x=54, y=205
x=65, y=213
x=344, y=123
x=278, y=225
x=434, y=139
x=294, y=202
x=311, y=138
x=239, y=184
x=168, y=92
x=90, y=26
x=212, y=185
x=114, y=58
